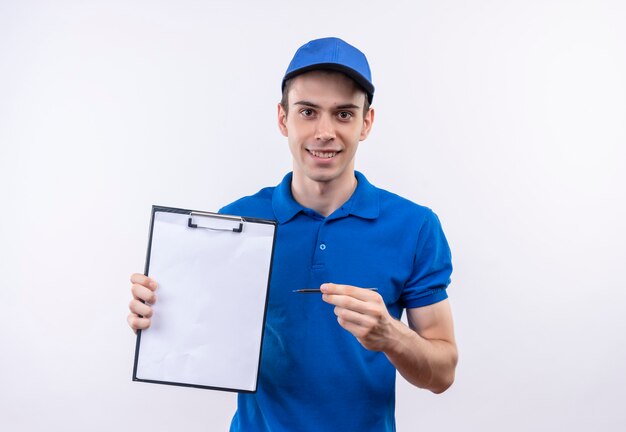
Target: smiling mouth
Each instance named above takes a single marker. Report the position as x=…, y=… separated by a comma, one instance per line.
x=323, y=154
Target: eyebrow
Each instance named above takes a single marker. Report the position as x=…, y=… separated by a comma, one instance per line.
x=312, y=105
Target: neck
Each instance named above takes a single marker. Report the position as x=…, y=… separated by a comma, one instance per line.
x=323, y=197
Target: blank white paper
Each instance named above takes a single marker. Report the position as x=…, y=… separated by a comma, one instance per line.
x=208, y=320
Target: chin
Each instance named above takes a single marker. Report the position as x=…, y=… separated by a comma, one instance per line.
x=322, y=174
x=321, y=178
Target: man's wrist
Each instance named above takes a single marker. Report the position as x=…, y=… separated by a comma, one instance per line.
x=398, y=339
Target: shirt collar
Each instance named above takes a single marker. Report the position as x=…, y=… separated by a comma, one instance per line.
x=285, y=207
x=363, y=203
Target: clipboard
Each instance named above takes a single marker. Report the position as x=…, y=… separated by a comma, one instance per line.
x=213, y=272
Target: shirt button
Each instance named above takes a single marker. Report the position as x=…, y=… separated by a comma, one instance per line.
x=322, y=246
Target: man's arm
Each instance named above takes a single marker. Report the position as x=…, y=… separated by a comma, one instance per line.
x=425, y=354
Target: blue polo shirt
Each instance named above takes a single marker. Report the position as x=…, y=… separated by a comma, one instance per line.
x=315, y=376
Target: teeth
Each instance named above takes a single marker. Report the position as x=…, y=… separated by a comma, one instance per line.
x=325, y=155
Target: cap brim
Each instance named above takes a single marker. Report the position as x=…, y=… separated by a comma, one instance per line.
x=357, y=77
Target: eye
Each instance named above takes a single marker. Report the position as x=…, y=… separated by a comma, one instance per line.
x=307, y=112
x=344, y=115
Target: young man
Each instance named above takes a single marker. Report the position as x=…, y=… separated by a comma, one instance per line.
x=329, y=363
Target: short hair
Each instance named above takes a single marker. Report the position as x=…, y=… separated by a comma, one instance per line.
x=284, y=101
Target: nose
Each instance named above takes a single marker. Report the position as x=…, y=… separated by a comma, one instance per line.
x=325, y=130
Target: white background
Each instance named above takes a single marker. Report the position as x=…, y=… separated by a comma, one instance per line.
x=508, y=118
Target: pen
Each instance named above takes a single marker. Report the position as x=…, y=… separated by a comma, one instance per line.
x=317, y=290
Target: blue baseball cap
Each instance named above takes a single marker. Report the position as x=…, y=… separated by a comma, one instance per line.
x=332, y=54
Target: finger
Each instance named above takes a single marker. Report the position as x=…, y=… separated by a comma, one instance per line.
x=138, y=323
x=357, y=331
x=364, y=294
x=356, y=318
x=140, y=292
x=138, y=278
x=140, y=308
x=347, y=302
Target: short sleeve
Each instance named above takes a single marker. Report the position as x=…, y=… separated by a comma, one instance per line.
x=432, y=266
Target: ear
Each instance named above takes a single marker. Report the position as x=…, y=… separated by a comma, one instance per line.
x=282, y=120
x=368, y=121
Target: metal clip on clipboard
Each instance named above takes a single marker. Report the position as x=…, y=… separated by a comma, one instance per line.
x=237, y=229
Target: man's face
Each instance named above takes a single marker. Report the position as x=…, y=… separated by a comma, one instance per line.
x=324, y=125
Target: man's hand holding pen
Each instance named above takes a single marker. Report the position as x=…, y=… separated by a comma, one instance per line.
x=362, y=312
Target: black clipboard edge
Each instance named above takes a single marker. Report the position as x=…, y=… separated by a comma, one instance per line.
x=155, y=209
